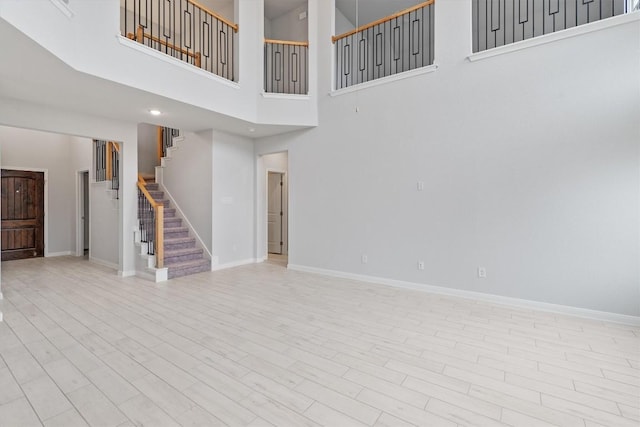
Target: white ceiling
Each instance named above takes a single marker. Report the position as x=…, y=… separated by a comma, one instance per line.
x=32, y=74
x=361, y=12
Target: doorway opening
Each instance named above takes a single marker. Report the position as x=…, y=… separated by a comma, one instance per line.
x=83, y=215
x=277, y=208
x=275, y=213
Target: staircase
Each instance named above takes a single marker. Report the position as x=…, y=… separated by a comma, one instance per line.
x=181, y=256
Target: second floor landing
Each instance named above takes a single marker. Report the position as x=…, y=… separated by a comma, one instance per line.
x=73, y=56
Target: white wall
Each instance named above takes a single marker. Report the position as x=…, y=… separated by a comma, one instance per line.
x=290, y=27
x=211, y=176
x=223, y=8
x=342, y=24
x=530, y=172
x=267, y=28
x=233, y=199
x=60, y=155
x=269, y=162
x=81, y=155
x=104, y=212
x=30, y=116
x=187, y=176
x=147, y=148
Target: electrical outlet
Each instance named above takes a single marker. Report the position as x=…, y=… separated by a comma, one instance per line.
x=420, y=265
x=420, y=185
x=365, y=259
x=482, y=273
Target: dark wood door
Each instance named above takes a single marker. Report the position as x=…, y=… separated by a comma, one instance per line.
x=22, y=231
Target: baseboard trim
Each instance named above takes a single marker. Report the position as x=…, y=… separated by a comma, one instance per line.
x=104, y=263
x=496, y=299
x=129, y=273
x=56, y=254
x=234, y=264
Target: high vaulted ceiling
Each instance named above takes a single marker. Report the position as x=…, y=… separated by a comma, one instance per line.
x=31, y=74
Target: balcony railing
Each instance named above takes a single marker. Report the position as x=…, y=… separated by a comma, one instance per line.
x=165, y=137
x=501, y=22
x=183, y=29
x=394, y=44
x=286, y=67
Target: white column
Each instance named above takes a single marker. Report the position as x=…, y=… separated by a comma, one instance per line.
x=453, y=33
x=127, y=222
x=320, y=47
x=251, y=46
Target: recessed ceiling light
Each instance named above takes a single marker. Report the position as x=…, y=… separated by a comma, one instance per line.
x=252, y=130
x=155, y=112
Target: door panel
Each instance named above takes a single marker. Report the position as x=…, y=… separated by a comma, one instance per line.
x=22, y=233
x=274, y=213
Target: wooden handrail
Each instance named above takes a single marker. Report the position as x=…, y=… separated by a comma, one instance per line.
x=159, y=143
x=286, y=42
x=382, y=20
x=108, y=168
x=153, y=203
x=215, y=15
x=140, y=36
x=111, y=145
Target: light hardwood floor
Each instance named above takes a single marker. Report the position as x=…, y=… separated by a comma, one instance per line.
x=260, y=345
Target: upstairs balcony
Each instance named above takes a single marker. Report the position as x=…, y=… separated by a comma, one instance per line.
x=186, y=30
x=251, y=67
x=196, y=34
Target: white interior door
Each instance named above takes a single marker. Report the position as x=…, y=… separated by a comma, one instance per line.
x=275, y=213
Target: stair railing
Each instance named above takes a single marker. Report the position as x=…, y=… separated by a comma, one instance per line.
x=165, y=137
x=400, y=42
x=151, y=222
x=107, y=163
x=184, y=29
x=286, y=67
x=113, y=166
x=100, y=159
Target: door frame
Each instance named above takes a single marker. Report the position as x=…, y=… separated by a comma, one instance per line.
x=80, y=211
x=46, y=200
x=285, y=210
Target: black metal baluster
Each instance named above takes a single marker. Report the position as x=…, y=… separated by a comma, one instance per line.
x=286, y=58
